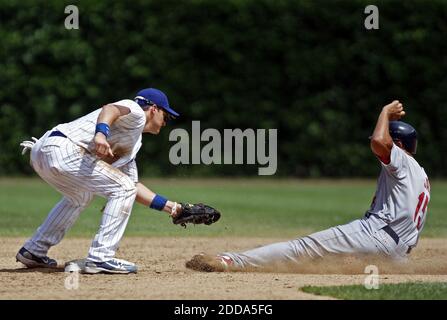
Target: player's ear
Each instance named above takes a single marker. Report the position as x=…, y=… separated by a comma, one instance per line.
x=399, y=144
x=151, y=109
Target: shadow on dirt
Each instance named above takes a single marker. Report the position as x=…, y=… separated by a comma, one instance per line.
x=31, y=270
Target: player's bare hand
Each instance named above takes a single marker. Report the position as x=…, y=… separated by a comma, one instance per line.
x=394, y=110
x=102, y=147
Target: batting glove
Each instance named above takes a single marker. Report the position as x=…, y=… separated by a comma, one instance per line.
x=28, y=145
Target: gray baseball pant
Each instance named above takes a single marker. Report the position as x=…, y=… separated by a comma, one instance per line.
x=362, y=236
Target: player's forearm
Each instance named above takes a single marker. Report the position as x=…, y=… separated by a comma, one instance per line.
x=381, y=142
x=145, y=196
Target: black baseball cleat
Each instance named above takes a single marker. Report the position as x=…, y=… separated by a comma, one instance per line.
x=32, y=261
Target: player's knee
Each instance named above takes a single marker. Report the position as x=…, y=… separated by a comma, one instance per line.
x=128, y=194
x=132, y=191
x=127, y=190
x=80, y=203
x=53, y=169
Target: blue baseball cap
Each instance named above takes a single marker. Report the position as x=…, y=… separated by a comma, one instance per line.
x=154, y=96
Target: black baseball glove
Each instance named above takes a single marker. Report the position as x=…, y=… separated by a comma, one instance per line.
x=196, y=214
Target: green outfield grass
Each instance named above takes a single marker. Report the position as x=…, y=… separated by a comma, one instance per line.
x=250, y=207
x=400, y=291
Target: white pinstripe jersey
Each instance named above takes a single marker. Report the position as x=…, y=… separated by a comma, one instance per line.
x=402, y=196
x=125, y=132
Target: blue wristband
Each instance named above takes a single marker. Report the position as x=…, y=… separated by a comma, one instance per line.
x=103, y=128
x=158, y=203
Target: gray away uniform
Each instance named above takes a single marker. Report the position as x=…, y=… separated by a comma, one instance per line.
x=391, y=227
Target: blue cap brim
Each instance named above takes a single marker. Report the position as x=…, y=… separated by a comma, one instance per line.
x=171, y=112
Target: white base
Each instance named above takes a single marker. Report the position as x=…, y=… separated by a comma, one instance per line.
x=75, y=265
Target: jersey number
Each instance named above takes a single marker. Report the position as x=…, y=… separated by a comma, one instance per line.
x=420, y=209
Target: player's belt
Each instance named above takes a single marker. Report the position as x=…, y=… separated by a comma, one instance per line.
x=57, y=134
x=392, y=234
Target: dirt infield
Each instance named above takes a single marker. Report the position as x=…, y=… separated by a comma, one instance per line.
x=162, y=274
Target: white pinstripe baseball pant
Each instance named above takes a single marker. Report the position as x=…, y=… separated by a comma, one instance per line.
x=79, y=176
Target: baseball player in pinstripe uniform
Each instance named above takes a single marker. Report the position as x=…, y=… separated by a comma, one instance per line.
x=95, y=155
x=391, y=227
